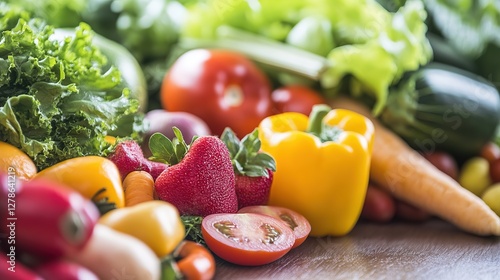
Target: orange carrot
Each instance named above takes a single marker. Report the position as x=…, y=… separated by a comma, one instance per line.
x=407, y=175
x=138, y=187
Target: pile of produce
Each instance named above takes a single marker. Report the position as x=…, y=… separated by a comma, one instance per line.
x=158, y=136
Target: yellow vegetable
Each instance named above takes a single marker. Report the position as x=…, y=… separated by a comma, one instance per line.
x=88, y=175
x=15, y=162
x=111, y=254
x=491, y=197
x=322, y=165
x=475, y=175
x=156, y=223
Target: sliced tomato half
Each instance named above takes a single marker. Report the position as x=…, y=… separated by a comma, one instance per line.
x=247, y=238
x=297, y=222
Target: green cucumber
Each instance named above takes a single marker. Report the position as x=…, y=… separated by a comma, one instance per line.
x=440, y=107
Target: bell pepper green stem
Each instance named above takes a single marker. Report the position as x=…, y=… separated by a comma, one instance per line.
x=318, y=112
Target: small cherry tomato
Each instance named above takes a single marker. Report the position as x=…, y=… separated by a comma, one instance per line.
x=475, y=175
x=298, y=223
x=490, y=152
x=444, y=162
x=410, y=213
x=223, y=88
x=295, y=98
x=194, y=261
x=494, y=171
x=379, y=206
x=247, y=238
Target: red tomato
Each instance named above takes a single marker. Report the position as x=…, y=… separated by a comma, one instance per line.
x=298, y=223
x=223, y=88
x=490, y=152
x=410, y=213
x=495, y=171
x=247, y=238
x=444, y=162
x=379, y=206
x=296, y=98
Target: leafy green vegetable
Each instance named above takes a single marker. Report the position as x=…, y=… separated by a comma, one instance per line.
x=59, y=13
x=469, y=28
x=469, y=25
x=312, y=34
x=473, y=28
x=193, y=228
x=148, y=28
x=56, y=102
x=370, y=44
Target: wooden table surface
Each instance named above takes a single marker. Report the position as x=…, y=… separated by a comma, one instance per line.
x=399, y=250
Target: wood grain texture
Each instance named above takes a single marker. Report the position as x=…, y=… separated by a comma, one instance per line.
x=432, y=250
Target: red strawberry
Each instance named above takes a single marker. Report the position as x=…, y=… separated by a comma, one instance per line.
x=128, y=157
x=253, y=169
x=253, y=190
x=156, y=168
x=200, y=180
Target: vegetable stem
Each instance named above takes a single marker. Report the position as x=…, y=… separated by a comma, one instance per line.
x=318, y=112
x=271, y=53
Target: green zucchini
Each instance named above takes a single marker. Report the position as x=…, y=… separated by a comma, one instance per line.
x=440, y=107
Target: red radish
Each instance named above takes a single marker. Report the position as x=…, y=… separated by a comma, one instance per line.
x=200, y=179
x=163, y=121
x=254, y=169
x=64, y=270
x=128, y=157
x=49, y=219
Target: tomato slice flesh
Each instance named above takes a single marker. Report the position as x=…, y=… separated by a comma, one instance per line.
x=247, y=238
x=297, y=222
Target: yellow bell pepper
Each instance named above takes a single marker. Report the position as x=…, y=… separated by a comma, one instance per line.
x=157, y=223
x=94, y=177
x=322, y=165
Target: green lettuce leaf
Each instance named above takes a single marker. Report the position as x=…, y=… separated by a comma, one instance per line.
x=371, y=48
x=56, y=101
